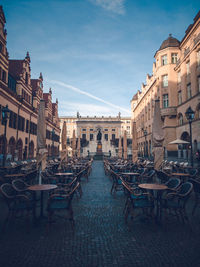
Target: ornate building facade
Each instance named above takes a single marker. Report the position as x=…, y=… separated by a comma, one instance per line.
x=175, y=81
x=22, y=96
x=107, y=130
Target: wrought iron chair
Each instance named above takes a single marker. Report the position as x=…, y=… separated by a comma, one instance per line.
x=137, y=200
x=61, y=203
x=19, y=205
x=116, y=182
x=148, y=177
x=175, y=203
x=196, y=187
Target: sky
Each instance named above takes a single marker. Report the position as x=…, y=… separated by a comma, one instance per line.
x=94, y=54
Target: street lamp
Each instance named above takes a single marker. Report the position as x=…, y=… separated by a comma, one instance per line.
x=5, y=116
x=53, y=134
x=190, y=117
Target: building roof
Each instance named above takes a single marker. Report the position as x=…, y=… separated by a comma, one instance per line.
x=169, y=42
x=15, y=68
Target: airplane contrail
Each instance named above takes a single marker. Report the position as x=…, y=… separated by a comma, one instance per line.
x=89, y=95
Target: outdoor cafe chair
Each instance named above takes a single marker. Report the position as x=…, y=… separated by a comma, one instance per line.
x=175, y=202
x=196, y=188
x=138, y=200
x=162, y=176
x=148, y=177
x=59, y=203
x=19, y=205
x=116, y=183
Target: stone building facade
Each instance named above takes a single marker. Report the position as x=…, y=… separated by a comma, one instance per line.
x=22, y=95
x=175, y=81
x=88, y=128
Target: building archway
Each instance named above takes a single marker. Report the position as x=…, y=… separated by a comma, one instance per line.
x=31, y=150
x=19, y=148
x=3, y=145
x=11, y=147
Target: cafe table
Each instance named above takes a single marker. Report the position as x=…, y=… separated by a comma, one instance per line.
x=181, y=175
x=41, y=187
x=158, y=188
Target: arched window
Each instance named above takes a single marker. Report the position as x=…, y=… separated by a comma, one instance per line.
x=11, y=147
x=19, y=147
x=180, y=119
x=31, y=149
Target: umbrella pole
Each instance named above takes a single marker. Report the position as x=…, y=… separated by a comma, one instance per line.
x=40, y=174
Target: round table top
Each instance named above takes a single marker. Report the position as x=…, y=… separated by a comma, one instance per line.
x=180, y=174
x=64, y=174
x=42, y=187
x=131, y=173
x=15, y=175
x=153, y=186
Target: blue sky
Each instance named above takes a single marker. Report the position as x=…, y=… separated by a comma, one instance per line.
x=94, y=54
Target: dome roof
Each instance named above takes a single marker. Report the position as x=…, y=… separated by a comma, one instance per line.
x=169, y=42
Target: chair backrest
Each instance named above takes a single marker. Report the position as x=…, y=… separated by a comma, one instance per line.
x=185, y=189
x=173, y=183
x=8, y=191
x=193, y=172
x=196, y=185
x=19, y=185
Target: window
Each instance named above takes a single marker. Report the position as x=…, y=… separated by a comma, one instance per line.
x=179, y=76
x=91, y=137
x=179, y=97
x=164, y=60
x=84, y=130
x=180, y=119
x=128, y=127
x=188, y=67
x=27, y=126
x=127, y=121
x=174, y=58
x=84, y=136
x=3, y=76
x=91, y=130
x=105, y=130
x=26, y=78
x=198, y=83
x=106, y=137
x=165, y=101
x=165, y=80
x=113, y=130
x=113, y=136
x=189, y=92
x=198, y=58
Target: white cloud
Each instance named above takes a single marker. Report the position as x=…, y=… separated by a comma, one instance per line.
x=115, y=6
x=116, y=107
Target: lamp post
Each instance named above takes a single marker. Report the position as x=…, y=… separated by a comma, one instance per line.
x=5, y=116
x=53, y=134
x=190, y=117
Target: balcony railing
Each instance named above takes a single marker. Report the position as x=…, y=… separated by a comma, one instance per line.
x=171, y=111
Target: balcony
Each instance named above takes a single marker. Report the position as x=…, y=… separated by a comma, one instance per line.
x=171, y=112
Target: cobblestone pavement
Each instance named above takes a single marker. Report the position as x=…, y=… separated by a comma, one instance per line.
x=101, y=237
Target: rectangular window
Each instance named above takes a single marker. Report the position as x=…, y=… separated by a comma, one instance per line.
x=91, y=137
x=179, y=76
x=198, y=58
x=128, y=127
x=113, y=136
x=174, y=58
x=164, y=60
x=198, y=83
x=83, y=136
x=27, y=125
x=84, y=130
x=165, y=101
x=165, y=80
x=188, y=67
x=105, y=130
x=113, y=130
x=91, y=130
x=106, y=137
x=179, y=97
x=189, y=92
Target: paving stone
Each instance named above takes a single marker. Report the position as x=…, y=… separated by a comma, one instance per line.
x=101, y=238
